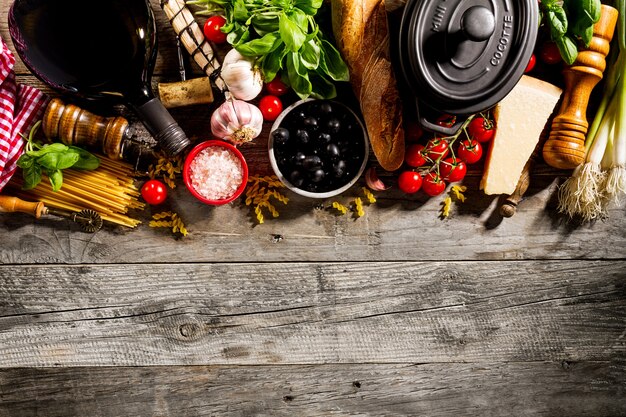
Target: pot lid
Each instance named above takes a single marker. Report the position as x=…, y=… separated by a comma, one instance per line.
x=464, y=56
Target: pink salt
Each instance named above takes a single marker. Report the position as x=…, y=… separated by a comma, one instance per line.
x=216, y=173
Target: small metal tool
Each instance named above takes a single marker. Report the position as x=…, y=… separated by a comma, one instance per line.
x=88, y=220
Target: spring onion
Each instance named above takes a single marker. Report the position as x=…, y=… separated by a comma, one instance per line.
x=601, y=179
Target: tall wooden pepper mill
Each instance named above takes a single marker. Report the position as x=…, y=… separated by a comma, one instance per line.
x=565, y=148
x=76, y=126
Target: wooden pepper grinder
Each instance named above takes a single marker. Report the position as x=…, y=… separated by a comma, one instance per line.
x=565, y=148
x=75, y=126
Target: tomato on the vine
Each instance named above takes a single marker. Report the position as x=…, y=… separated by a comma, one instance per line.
x=437, y=148
x=154, y=192
x=276, y=87
x=549, y=53
x=213, y=29
x=433, y=184
x=531, y=64
x=452, y=169
x=414, y=156
x=270, y=107
x=446, y=120
x=470, y=151
x=481, y=129
x=410, y=182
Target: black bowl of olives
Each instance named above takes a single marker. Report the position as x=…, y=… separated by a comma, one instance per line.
x=318, y=148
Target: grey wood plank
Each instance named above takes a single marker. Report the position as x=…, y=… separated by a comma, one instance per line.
x=492, y=389
x=395, y=228
x=310, y=313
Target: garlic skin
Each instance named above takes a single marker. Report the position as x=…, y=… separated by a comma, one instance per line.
x=243, y=80
x=236, y=121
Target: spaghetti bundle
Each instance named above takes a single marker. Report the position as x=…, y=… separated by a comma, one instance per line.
x=109, y=190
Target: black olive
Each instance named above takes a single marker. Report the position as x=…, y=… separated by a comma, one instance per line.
x=280, y=136
x=333, y=126
x=317, y=175
x=303, y=136
x=298, y=158
x=283, y=161
x=325, y=108
x=312, y=162
x=332, y=150
x=324, y=138
x=296, y=178
x=310, y=123
x=339, y=169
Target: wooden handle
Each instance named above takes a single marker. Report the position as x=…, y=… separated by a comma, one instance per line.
x=186, y=93
x=509, y=207
x=75, y=126
x=10, y=204
x=565, y=148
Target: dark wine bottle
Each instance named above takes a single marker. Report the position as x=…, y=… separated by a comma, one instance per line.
x=102, y=50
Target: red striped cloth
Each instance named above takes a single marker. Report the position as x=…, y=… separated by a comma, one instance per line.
x=20, y=107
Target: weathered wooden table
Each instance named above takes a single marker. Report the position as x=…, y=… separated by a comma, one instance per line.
x=395, y=313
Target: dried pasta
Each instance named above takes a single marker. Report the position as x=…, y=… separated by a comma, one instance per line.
x=259, y=192
x=109, y=190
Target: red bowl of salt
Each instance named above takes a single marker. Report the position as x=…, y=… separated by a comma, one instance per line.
x=215, y=172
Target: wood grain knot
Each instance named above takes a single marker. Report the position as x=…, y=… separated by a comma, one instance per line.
x=287, y=398
x=356, y=384
x=189, y=330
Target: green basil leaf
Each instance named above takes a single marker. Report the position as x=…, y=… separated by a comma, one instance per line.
x=58, y=160
x=332, y=64
x=56, y=179
x=322, y=87
x=240, y=12
x=310, y=55
x=32, y=177
x=264, y=24
x=53, y=147
x=300, y=18
x=309, y=7
x=292, y=35
x=25, y=161
x=568, y=49
x=273, y=62
x=86, y=159
x=239, y=35
x=587, y=35
x=558, y=22
x=298, y=76
x=260, y=46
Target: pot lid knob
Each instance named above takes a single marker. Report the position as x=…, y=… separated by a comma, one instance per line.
x=478, y=23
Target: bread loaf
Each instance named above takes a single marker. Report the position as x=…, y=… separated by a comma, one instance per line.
x=362, y=37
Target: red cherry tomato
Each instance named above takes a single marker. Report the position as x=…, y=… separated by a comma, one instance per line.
x=549, y=53
x=437, y=148
x=154, y=192
x=270, y=106
x=470, y=151
x=276, y=87
x=433, y=184
x=446, y=120
x=531, y=63
x=413, y=132
x=410, y=182
x=452, y=170
x=481, y=129
x=414, y=156
x=213, y=29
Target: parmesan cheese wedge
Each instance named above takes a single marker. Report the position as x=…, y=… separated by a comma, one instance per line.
x=520, y=118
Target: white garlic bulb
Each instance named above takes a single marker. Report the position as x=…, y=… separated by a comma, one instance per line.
x=243, y=79
x=237, y=121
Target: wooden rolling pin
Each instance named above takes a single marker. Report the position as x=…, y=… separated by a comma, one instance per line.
x=76, y=126
x=565, y=148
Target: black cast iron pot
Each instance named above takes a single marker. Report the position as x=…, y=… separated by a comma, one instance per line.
x=461, y=57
